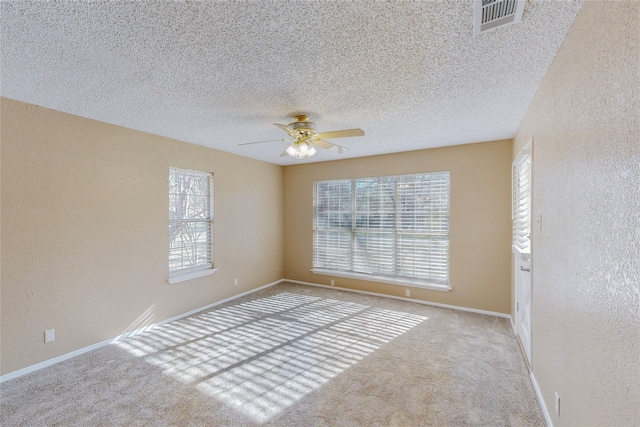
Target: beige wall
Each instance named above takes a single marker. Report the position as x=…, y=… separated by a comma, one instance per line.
x=84, y=230
x=585, y=121
x=480, y=227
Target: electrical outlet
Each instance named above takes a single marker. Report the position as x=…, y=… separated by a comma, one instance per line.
x=407, y=292
x=333, y=282
x=557, y=404
x=235, y=282
x=49, y=335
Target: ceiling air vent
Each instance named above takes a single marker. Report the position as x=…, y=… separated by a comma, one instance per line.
x=491, y=14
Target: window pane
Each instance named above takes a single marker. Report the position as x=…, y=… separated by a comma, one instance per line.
x=332, y=205
x=189, y=246
x=424, y=203
x=189, y=196
x=374, y=253
x=332, y=250
x=375, y=204
x=423, y=257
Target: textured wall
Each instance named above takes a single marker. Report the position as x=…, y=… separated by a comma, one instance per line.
x=84, y=230
x=585, y=120
x=480, y=228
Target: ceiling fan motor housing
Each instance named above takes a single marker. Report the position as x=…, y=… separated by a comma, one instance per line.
x=303, y=125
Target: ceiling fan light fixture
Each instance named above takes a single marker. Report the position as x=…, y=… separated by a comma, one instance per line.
x=301, y=150
x=312, y=151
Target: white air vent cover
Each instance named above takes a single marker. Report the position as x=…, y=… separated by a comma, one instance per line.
x=491, y=14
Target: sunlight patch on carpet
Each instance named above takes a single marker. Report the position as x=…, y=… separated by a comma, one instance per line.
x=260, y=357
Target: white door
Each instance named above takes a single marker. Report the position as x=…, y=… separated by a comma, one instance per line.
x=521, y=214
x=523, y=303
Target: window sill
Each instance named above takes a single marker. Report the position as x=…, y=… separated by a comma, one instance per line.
x=389, y=280
x=191, y=275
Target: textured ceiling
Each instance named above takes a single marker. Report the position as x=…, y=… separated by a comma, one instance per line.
x=410, y=74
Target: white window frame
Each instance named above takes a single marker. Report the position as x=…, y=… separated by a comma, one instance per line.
x=350, y=267
x=193, y=266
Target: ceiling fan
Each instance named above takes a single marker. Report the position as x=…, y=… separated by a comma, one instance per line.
x=304, y=138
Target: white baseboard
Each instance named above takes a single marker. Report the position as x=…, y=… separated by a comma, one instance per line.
x=38, y=366
x=543, y=405
x=437, y=304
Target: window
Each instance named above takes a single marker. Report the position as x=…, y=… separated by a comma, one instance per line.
x=190, y=224
x=393, y=229
x=521, y=201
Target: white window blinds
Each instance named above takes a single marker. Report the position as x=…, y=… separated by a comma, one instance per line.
x=394, y=226
x=521, y=204
x=190, y=221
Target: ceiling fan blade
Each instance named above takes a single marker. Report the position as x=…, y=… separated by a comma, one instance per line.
x=284, y=153
x=330, y=146
x=260, y=142
x=341, y=133
x=288, y=130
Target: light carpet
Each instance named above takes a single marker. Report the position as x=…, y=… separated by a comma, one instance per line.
x=291, y=355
